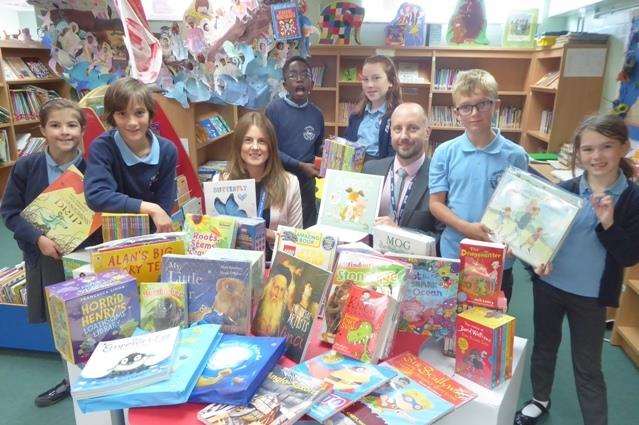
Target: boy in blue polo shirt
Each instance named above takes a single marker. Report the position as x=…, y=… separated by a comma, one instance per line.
x=464, y=171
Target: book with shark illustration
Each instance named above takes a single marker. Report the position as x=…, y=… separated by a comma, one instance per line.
x=230, y=197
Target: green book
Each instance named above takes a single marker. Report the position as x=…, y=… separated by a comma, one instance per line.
x=163, y=305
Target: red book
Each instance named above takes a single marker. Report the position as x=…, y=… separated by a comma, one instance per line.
x=482, y=267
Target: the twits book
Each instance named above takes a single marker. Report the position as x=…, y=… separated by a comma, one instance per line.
x=230, y=197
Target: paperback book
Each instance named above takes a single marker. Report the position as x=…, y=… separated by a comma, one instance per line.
x=286, y=21
x=203, y=232
x=119, y=226
x=163, y=305
x=482, y=268
x=402, y=241
x=307, y=245
x=230, y=197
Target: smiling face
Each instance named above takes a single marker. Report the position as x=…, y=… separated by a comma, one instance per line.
x=255, y=148
x=409, y=132
x=133, y=122
x=481, y=111
x=375, y=83
x=63, y=132
x=297, y=81
x=600, y=155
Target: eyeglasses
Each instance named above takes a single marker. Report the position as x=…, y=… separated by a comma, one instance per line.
x=298, y=75
x=482, y=106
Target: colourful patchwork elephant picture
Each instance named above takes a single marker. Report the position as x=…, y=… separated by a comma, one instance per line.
x=337, y=21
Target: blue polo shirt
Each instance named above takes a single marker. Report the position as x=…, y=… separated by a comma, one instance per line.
x=579, y=263
x=469, y=176
x=55, y=170
x=130, y=158
x=368, y=131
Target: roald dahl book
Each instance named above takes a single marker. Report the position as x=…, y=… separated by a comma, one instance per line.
x=482, y=268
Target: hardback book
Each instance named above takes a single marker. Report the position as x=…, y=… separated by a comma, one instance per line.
x=381, y=274
x=283, y=398
x=119, y=226
x=368, y=325
x=230, y=197
x=429, y=307
x=530, y=215
x=90, y=309
x=237, y=368
x=285, y=18
x=350, y=201
x=484, y=350
x=191, y=206
x=219, y=290
x=482, y=267
x=61, y=212
x=203, y=232
x=126, y=364
x=289, y=302
x=194, y=347
x=402, y=241
x=308, y=245
x=351, y=380
x=73, y=260
x=163, y=305
x=250, y=233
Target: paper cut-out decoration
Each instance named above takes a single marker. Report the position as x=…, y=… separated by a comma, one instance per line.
x=520, y=28
x=286, y=21
x=468, y=23
x=337, y=21
x=408, y=29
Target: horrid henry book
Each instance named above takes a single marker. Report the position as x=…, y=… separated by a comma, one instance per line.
x=482, y=267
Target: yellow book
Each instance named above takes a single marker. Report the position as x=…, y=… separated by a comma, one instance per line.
x=491, y=319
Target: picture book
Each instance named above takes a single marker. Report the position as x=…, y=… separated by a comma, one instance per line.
x=368, y=325
x=163, y=305
x=520, y=28
x=350, y=201
x=191, y=206
x=289, y=302
x=61, y=212
x=482, y=267
x=283, y=398
x=203, y=232
x=530, y=215
x=126, y=364
x=73, y=260
x=90, y=309
x=403, y=241
x=351, y=380
x=250, y=233
x=341, y=154
x=237, y=368
x=381, y=274
x=219, y=290
x=194, y=347
x=233, y=197
x=307, y=245
x=484, y=346
x=119, y=226
x=286, y=21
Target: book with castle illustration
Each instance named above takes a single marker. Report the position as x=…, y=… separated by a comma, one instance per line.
x=61, y=212
x=230, y=197
x=530, y=215
x=289, y=302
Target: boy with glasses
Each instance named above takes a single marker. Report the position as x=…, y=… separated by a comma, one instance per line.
x=464, y=171
x=299, y=126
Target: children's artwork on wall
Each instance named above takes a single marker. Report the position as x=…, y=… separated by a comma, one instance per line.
x=408, y=29
x=468, y=23
x=520, y=28
x=286, y=21
x=337, y=21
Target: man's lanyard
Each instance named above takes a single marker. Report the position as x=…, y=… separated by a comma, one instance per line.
x=398, y=214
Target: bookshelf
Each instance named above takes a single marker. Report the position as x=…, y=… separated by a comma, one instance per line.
x=626, y=330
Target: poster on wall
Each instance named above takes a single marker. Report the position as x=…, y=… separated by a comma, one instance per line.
x=520, y=28
x=468, y=23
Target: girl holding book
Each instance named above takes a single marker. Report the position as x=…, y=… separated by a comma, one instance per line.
x=369, y=124
x=254, y=155
x=62, y=124
x=586, y=275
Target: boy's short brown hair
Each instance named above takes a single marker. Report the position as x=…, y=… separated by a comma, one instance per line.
x=119, y=94
x=473, y=80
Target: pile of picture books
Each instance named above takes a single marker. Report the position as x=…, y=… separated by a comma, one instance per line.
x=545, y=122
x=445, y=78
x=5, y=151
x=342, y=154
x=214, y=126
x=13, y=285
x=16, y=68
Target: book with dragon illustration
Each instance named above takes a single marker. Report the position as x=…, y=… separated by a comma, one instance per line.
x=482, y=268
x=230, y=197
x=237, y=368
x=308, y=245
x=530, y=215
x=61, y=212
x=125, y=225
x=163, y=305
x=203, y=232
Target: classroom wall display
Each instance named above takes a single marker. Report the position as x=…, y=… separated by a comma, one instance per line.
x=408, y=29
x=468, y=23
x=520, y=28
x=338, y=19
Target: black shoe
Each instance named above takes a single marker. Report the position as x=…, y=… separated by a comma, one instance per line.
x=521, y=419
x=54, y=395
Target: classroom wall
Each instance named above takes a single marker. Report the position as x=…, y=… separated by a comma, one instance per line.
x=12, y=21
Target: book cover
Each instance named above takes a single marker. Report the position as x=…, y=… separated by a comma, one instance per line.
x=283, y=398
x=195, y=346
x=119, y=226
x=286, y=21
x=350, y=201
x=482, y=268
x=289, y=302
x=530, y=215
x=126, y=364
x=230, y=197
x=351, y=380
x=219, y=290
x=237, y=368
x=363, y=329
x=402, y=241
x=203, y=232
x=250, y=234
x=61, y=212
x=311, y=246
x=89, y=309
x=74, y=260
x=520, y=28
x=163, y=305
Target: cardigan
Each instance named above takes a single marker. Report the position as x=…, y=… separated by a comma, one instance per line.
x=384, y=140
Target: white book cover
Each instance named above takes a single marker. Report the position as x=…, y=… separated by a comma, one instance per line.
x=403, y=241
x=230, y=197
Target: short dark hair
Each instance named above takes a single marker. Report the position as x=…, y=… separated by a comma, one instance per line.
x=119, y=94
x=292, y=59
x=57, y=104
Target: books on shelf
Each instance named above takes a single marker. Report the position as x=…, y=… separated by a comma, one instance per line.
x=16, y=68
x=26, y=145
x=443, y=116
x=124, y=225
x=5, y=152
x=206, y=171
x=402, y=240
x=507, y=117
x=27, y=100
x=214, y=126
x=550, y=80
x=13, y=282
x=482, y=268
x=317, y=75
x=344, y=111
x=342, y=154
x=230, y=197
x=203, y=232
x=445, y=78
x=307, y=245
x=545, y=122
x=5, y=115
x=163, y=305
x=408, y=73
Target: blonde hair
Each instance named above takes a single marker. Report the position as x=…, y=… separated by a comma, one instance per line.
x=473, y=80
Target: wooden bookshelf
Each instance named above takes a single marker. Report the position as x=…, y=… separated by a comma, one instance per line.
x=625, y=333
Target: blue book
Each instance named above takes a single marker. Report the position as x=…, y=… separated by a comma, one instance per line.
x=237, y=368
x=196, y=345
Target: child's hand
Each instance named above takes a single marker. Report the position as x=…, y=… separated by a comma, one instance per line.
x=477, y=231
x=160, y=218
x=309, y=169
x=48, y=247
x=604, y=209
x=543, y=270
x=386, y=220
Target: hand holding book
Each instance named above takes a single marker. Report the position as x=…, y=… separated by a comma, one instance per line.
x=604, y=207
x=49, y=248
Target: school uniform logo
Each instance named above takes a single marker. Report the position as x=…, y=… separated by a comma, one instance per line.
x=495, y=177
x=309, y=133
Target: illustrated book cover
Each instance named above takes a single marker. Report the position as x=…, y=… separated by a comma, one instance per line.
x=163, y=305
x=403, y=241
x=286, y=21
x=203, y=232
x=308, y=245
x=482, y=268
x=230, y=197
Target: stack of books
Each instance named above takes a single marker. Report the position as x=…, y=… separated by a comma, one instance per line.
x=26, y=101
x=545, y=122
x=445, y=78
x=13, y=282
x=16, y=68
x=550, y=80
x=214, y=126
x=120, y=226
x=342, y=154
x=582, y=37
